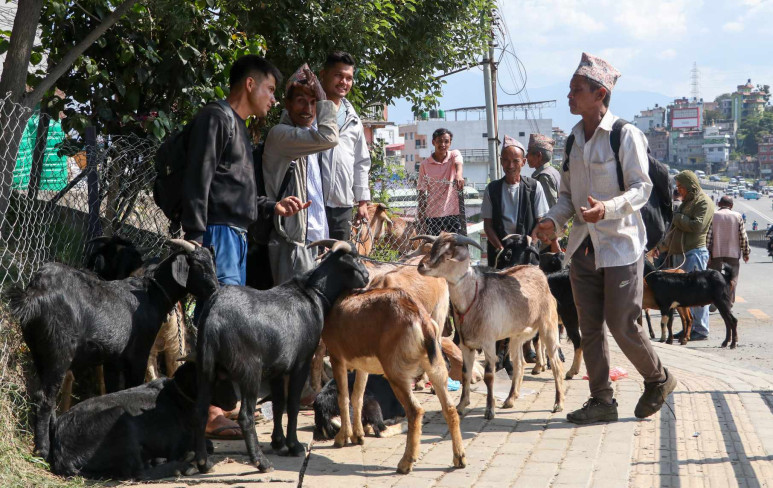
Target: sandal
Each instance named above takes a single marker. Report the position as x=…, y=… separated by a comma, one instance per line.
x=218, y=432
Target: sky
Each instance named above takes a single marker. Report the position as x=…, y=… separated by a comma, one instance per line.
x=653, y=43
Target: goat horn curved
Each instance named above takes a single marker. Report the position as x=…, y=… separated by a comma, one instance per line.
x=329, y=243
x=465, y=241
x=342, y=245
x=508, y=236
x=187, y=246
x=424, y=237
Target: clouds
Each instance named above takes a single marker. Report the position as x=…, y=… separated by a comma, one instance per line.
x=733, y=27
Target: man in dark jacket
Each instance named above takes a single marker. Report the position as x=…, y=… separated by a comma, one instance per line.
x=220, y=193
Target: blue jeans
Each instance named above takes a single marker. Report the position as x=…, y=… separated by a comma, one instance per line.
x=697, y=260
x=230, y=253
x=230, y=246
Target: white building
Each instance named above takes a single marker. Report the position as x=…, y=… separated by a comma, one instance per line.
x=650, y=118
x=389, y=135
x=716, y=146
x=471, y=139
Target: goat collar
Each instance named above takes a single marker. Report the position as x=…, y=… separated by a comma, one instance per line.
x=474, y=299
x=322, y=296
x=163, y=291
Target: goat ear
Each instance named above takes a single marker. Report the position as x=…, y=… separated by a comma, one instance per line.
x=180, y=269
x=99, y=265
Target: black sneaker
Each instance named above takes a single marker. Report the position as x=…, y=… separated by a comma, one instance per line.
x=594, y=410
x=654, y=396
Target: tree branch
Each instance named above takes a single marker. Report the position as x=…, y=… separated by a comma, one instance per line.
x=72, y=55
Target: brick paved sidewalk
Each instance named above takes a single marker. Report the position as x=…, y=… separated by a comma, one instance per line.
x=722, y=436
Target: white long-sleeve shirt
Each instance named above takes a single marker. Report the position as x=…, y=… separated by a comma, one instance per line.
x=619, y=238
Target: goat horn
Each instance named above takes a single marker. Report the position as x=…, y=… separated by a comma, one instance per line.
x=508, y=236
x=460, y=240
x=424, y=237
x=381, y=206
x=329, y=243
x=342, y=245
x=187, y=246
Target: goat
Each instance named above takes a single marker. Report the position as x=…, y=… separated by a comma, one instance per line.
x=400, y=342
x=71, y=318
x=366, y=234
x=254, y=335
x=648, y=302
x=113, y=258
x=514, y=303
x=695, y=288
x=379, y=403
x=117, y=435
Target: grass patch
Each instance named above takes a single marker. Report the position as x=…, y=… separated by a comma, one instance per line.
x=18, y=467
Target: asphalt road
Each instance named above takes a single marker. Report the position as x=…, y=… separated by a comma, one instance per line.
x=754, y=302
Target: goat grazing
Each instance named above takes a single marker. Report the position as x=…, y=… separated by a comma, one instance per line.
x=254, y=335
x=72, y=317
x=400, y=342
x=515, y=303
x=119, y=434
x=379, y=403
x=692, y=289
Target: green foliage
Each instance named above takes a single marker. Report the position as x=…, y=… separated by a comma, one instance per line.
x=385, y=172
x=710, y=116
x=151, y=71
x=752, y=130
x=400, y=45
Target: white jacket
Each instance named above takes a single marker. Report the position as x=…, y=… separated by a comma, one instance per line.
x=345, y=167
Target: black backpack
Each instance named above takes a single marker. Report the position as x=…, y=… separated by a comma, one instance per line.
x=170, y=161
x=658, y=212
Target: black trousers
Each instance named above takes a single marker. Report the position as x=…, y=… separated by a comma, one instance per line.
x=339, y=223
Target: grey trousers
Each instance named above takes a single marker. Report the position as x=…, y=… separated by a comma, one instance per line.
x=735, y=263
x=613, y=295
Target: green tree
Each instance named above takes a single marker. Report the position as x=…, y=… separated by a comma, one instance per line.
x=752, y=130
x=400, y=45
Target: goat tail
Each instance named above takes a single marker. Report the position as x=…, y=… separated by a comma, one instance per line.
x=728, y=273
x=431, y=339
x=22, y=306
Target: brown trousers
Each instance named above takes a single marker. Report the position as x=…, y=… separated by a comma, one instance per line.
x=735, y=263
x=613, y=295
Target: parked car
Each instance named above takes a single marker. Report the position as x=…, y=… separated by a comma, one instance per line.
x=751, y=195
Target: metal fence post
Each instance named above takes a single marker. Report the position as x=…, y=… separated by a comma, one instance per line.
x=92, y=181
x=39, y=154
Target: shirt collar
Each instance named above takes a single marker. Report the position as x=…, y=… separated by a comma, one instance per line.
x=434, y=161
x=607, y=121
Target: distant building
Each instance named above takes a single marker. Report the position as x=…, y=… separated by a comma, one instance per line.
x=747, y=101
x=765, y=157
x=657, y=139
x=686, y=150
x=559, y=150
x=470, y=138
x=650, y=118
x=716, y=148
x=685, y=115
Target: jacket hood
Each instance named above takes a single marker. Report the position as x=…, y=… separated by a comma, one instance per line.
x=690, y=182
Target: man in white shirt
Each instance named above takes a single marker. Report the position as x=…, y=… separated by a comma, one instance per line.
x=606, y=243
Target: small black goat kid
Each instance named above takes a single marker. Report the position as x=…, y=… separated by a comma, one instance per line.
x=255, y=335
x=379, y=403
x=73, y=318
x=693, y=289
x=118, y=435
x=113, y=258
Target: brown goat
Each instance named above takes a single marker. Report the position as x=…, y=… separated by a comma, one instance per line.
x=366, y=234
x=399, y=341
x=171, y=341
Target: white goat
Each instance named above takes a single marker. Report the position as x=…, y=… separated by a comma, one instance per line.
x=515, y=303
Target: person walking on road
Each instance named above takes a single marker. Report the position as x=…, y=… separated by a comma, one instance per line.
x=606, y=243
x=685, y=240
x=727, y=241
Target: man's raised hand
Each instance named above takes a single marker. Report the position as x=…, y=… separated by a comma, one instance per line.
x=289, y=206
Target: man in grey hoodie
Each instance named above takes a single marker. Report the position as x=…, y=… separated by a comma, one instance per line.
x=345, y=167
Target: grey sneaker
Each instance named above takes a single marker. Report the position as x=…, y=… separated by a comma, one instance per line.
x=654, y=396
x=594, y=410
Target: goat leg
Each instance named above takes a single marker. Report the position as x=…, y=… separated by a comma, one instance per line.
x=516, y=357
x=342, y=382
x=649, y=323
x=358, y=392
x=576, y=363
x=686, y=317
x=663, y=321
x=438, y=375
x=67, y=390
x=550, y=339
x=539, y=349
x=294, y=391
x=488, y=378
x=45, y=415
x=414, y=413
x=317, y=365
x=468, y=362
x=203, y=397
x=247, y=423
x=670, y=324
x=278, y=439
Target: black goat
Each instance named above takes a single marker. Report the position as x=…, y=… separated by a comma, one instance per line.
x=379, y=403
x=692, y=289
x=255, y=335
x=119, y=435
x=113, y=258
x=72, y=318
x=516, y=249
x=561, y=289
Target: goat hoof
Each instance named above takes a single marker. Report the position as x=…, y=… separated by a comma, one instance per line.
x=404, y=466
x=357, y=440
x=210, y=447
x=340, y=440
x=558, y=408
x=189, y=456
x=683, y=341
x=537, y=370
x=278, y=443
x=460, y=461
x=489, y=414
x=295, y=450
x=662, y=339
x=265, y=467
x=569, y=375
x=205, y=466
x=509, y=403
x=189, y=471
x=732, y=345
x=724, y=344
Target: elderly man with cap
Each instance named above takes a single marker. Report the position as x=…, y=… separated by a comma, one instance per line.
x=606, y=243
x=512, y=204
x=727, y=241
x=538, y=156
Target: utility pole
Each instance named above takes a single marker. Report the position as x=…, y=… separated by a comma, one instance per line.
x=491, y=110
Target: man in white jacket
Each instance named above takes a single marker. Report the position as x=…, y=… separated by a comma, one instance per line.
x=345, y=167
